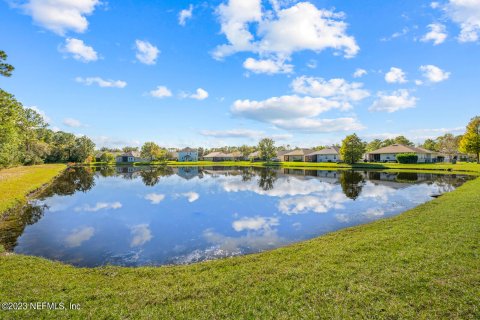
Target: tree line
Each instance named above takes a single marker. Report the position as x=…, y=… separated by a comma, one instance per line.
x=25, y=138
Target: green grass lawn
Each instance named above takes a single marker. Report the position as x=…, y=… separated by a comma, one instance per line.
x=16, y=183
x=422, y=264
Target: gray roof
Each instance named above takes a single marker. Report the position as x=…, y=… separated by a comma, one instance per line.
x=299, y=152
x=188, y=149
x=332, y=150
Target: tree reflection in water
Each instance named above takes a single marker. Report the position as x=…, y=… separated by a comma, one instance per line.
x=151, y=175
x=267, y=179
x=352, y=183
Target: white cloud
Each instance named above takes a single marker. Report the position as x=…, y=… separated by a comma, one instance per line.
x=268, y=66
x=254, y=223
x=316, y=204
x=397, y=100
x=307, y=125
x=395, y=75
x=335, y=89
x=434, y=74
x=146, y=53
x=101, y=82
x=161, y=92
x=200, y=94
x=141, y=234
x=437, y=34
x=79, y=50
x=41, y=113
x=99, y=206
x=184, y=15
x=233, y=133
x=191, y=196
x=73, y=123
x=60, y=16
x=78, y=236
x=155, y=198
x=284, y=107
x=282, y=32
x=466, y=13
x=359, y=73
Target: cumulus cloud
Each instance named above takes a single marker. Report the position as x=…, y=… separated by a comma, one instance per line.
x=79, y=236
x=161, y=92
x=146, y=53
x=79, y=50
x=268, y=66
x=437, y=34
x=99, y=206
x=299, y=113
x=200, y=94
x=281, y=32
x=184, y=15
x=334, y=89
x=465, y=13
x=359, y=73
x=397, y=100
x=73, y=123
x=60, y=16
x=434, y=74
x=233, y=133
x=190, y=196
x=141, y=234
x=155, y=198
x=101, y=82
x=254, y=223
x=395, y=75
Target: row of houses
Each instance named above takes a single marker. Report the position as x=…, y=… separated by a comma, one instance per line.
x=332, y=154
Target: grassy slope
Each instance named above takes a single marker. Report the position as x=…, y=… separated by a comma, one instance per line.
x=16, y=183
x=421, y=264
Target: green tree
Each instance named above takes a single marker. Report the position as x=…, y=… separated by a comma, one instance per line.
x=267, y=149
x=246, y=150
x=61, y=147
x=448, y=144
x=128, y=149
x=352, y=149
x=470, y=142
x=430, y=144
x=82, y=149
x=5, y=68
x=107, y=157
x=374, y=145
x=11, y=112
x=152, y=151
x=404, y=141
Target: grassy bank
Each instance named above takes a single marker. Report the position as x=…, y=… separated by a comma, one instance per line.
x=422, y=264
x=16, y=183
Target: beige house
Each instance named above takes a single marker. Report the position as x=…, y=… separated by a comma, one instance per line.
x=254, y=156
x=218, y=156
x=389, y=154
x=331, y=154
x=298, y=155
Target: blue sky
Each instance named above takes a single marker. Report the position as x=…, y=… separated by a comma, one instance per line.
x=231, y=72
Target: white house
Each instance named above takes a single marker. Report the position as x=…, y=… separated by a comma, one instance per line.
x=389, y=154
x=326, y=155
x=187, y=154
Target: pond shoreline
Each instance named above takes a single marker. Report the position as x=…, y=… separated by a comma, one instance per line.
x=385, y=259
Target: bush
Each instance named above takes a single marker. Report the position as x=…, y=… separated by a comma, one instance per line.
x=407, y=158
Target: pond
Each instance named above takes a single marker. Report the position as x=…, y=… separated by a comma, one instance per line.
x=135, y=216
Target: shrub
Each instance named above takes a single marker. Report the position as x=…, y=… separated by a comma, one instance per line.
x=407, y=158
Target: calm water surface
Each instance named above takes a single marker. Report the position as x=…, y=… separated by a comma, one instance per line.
x=135, y=216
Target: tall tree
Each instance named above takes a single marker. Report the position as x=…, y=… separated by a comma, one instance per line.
x=152, y=151
x=374, y=145
x=404, y=141
x=128, y=149
x=246, y=150
x=352, y=149
x=267, y=149
x=430, y=144
x=82, y=149
x=448, y=144
x=470, y=142
x=5, y=68
x=11, y=112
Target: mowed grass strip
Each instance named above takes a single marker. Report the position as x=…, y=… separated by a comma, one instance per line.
x=16, y=183
x=422, y=264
